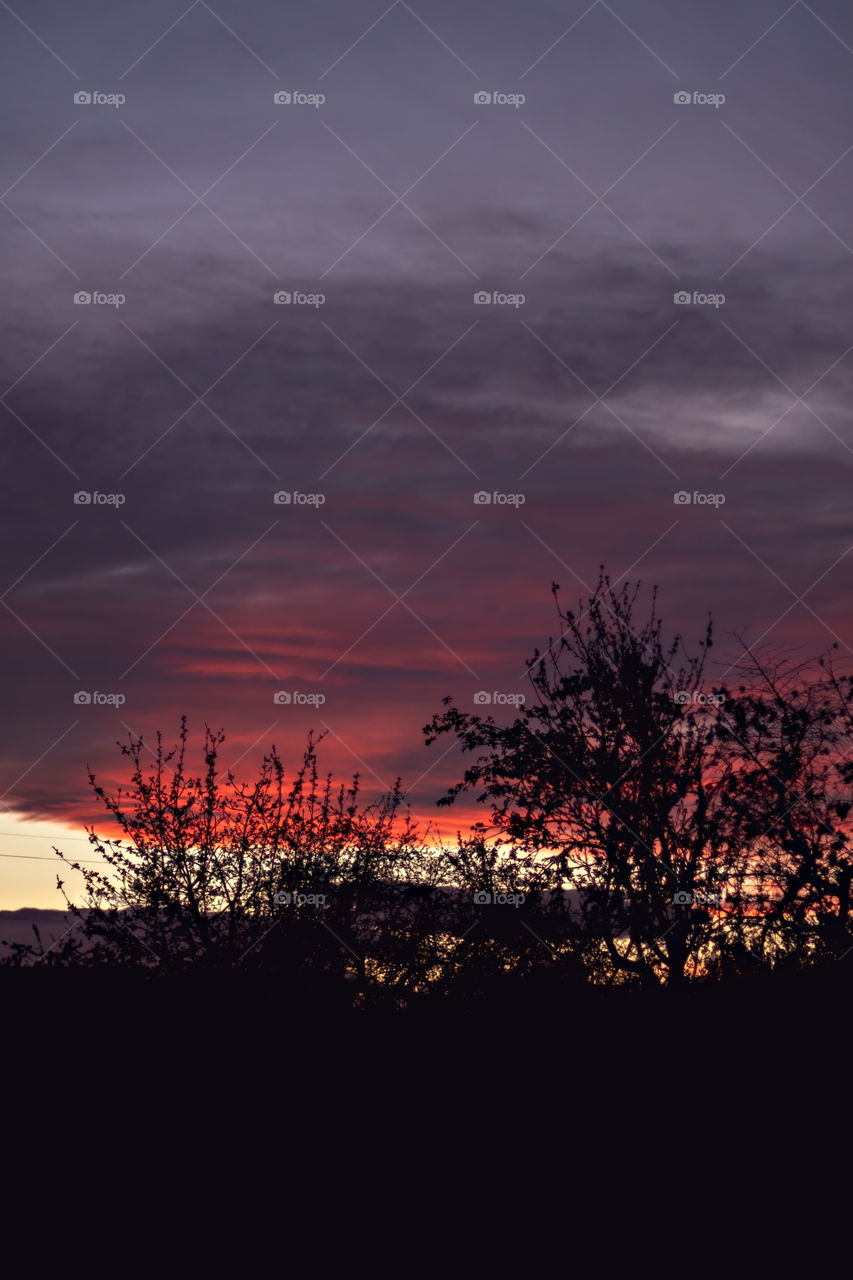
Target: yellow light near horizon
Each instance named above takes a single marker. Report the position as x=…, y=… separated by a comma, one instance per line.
x=28, y=865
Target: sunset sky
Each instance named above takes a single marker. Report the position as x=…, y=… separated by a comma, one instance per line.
x=388, y=406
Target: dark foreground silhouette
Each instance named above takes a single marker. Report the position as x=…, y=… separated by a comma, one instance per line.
x=68, y=1013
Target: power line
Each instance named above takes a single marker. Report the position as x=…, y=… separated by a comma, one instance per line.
x=30, y=835
x=43, y=857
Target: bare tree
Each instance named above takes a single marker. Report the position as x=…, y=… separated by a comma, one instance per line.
x=613, y=778
x=788, y=792
x=216, y=872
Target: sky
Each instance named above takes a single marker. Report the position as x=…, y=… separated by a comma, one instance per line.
x=654, y=200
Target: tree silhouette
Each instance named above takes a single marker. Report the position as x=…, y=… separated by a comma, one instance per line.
x=613, y=777
x=788, y=795
x=213, y=872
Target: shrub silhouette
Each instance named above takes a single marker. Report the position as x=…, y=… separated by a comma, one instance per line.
x=789, y=798
x=671, y=807
x=212, y=872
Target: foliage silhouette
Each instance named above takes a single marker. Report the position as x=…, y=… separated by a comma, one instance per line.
x=671, y=806
x=209, y=868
